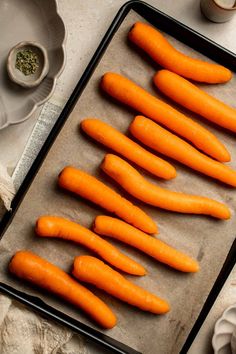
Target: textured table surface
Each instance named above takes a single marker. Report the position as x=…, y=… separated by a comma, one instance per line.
x=86, y=22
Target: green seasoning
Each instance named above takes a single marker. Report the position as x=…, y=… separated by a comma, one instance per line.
x=27, y=61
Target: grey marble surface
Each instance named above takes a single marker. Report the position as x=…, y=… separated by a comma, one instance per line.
x=86, y=23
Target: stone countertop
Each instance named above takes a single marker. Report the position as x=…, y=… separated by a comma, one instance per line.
x=86, y=23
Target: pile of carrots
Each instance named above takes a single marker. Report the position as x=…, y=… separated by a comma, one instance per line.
x=165, y=130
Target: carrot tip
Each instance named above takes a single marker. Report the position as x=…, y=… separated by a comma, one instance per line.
x=132, y=28
x=195, y=268
x=167, y=309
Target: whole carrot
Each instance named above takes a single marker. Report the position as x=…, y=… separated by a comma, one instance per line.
x=136, y=97
x=189, y=96
x=159, y=49
x=135, y=184
x=119, y=230
x=97, y=192
x=30, y=267
x=120, y=143
x=92, y=270
x=54, y=226
x=161, y=140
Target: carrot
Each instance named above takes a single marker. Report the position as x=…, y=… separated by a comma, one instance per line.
x=30, y=267
x=97, y=192
x=131, y=180
x=119, y=230
x=124, y=146
x=136, y=97
x=92, y=270
x=53, y=226
x=159, y=49
x=188, y=95
x=159, y=139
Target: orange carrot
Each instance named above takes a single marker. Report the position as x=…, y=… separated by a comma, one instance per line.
x=136, y=97
x=124, y=146
x=94, y=271
x=159, y=139
x=97, y=192
x=53, y=226
x=188, y=95
x=159, y=49
x=135, y=184
x=30, y=267
x=119, y=230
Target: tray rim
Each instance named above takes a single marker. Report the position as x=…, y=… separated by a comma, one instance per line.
x=225, y=57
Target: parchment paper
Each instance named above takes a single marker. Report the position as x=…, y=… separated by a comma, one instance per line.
x=204, y=238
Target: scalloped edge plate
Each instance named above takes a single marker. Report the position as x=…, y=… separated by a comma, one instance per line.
x=224, y=328
x=48, y=85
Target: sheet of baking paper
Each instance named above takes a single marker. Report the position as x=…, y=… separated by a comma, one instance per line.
x=203, y=238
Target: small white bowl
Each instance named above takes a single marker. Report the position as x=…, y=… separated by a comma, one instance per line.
x=223, y=334
x=28, y=81
x=218, y=11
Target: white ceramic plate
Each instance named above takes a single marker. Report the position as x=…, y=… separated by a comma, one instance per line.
x=29, y=20
x=223, y=332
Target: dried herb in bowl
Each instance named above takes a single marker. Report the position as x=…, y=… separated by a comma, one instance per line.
x=27, y=62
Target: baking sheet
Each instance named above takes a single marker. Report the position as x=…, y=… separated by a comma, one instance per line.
x=204, y=238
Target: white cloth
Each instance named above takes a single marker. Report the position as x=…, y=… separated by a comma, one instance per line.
x=7, y=189
x=23, y=331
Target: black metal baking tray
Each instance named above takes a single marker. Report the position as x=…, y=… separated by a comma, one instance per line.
x=190, y=38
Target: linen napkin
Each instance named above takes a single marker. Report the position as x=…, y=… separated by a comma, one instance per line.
x=23, y=331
